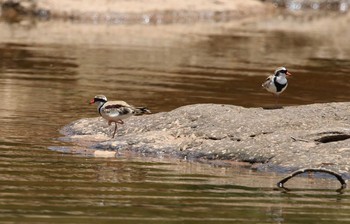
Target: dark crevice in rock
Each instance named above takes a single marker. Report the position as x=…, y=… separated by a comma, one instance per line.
x=262, y=133
x=235, y=139
x=333, y=138
x=259, y=160
x=215, y=138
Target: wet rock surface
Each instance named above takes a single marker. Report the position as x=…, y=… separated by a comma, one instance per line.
x=316, y=135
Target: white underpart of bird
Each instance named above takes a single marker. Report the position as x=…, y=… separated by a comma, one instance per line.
x=116, y=111
x=277, y=83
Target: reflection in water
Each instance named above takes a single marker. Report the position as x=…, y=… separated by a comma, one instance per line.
x=45, y=86
x=32, y=81
x=315, y=5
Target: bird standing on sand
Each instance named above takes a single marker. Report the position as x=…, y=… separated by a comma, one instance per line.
x=116, y=111
x=277, y=82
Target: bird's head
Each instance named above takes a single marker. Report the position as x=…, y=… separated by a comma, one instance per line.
x=98, y=99
x=282, y=71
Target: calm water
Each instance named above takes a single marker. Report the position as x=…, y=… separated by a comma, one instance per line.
x=47, y=84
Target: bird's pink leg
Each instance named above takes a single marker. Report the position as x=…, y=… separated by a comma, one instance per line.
x=115, y=122
x=276, y=102
x=115, y=129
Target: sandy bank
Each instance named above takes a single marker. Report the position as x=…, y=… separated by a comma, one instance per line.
x=136, y=12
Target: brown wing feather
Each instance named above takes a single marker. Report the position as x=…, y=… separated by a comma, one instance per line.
x=117, y=109
x=113, y=106
x=267, y=82
x=121, y=108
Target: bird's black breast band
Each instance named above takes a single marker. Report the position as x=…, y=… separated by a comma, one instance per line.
x=279, y=86
x=100, y=108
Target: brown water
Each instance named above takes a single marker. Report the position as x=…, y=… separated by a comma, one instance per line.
x=47, y=84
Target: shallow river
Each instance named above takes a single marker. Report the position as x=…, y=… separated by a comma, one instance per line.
x=47, y=84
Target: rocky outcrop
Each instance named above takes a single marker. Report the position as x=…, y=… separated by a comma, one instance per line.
x=316, y=135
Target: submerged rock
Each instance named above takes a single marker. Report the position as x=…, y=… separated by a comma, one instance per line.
x=316, y=135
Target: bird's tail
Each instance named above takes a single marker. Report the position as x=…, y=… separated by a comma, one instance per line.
x=142, y=110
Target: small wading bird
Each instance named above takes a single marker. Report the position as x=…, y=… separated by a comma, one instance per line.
x=116, y=111
x=277, y=82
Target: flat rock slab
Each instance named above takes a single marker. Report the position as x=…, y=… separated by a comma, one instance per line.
x=316, y=135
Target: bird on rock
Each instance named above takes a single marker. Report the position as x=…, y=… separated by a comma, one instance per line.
x=277, y=82
x=116, y=111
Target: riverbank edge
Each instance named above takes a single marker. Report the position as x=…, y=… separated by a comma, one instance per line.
x=133, y=12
